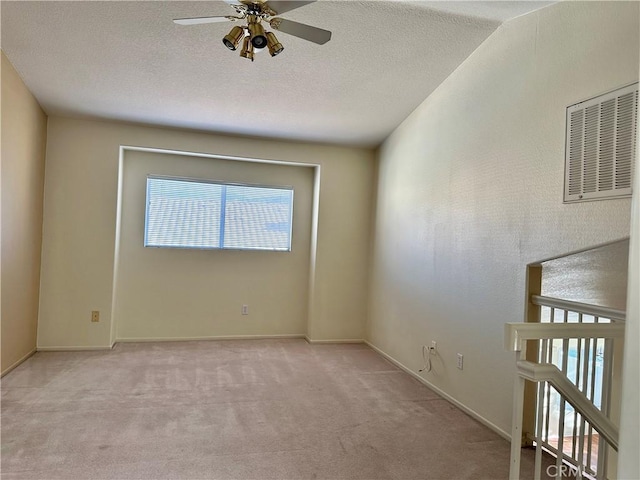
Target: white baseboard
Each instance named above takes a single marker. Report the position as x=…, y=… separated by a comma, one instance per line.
x=446, y=396
x=337, y=340
x=15, y=364
x=220, y=337
x=87, y=348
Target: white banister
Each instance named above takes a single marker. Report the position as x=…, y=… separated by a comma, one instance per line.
x=517, y=333
x=584, y=308
x=546, y=372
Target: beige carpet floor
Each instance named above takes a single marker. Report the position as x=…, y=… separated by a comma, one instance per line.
x=251, y=409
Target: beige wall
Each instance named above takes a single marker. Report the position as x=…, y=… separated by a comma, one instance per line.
x=24, y=133
x=178, y=293
x=79, y=235
x=470, y=192
x=597, y=276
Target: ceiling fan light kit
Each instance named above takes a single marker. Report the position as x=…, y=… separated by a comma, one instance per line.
x=256, y=33
x=275, y=47
x=253, y=35
x=247, y=49
x=233, y=38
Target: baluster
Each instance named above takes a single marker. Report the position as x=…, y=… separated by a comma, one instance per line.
x=591, y=396
x=576, y=383
x=565, y=365
x=583, y=389
x=542, y=386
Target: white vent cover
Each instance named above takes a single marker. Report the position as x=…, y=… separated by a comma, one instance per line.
x=601, y=146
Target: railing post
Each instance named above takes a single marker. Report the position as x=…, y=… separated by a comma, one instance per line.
x=532, y=315
x=516, y=423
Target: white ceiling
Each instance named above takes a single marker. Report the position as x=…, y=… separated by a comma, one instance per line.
x=128, y=61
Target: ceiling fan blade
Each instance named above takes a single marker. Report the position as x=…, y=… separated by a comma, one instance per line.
x=199, y=20
x=282, y=6
x=300, y=30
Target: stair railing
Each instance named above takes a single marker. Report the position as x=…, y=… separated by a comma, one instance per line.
x=593, y=339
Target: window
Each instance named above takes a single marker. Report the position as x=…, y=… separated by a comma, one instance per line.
x=184, y=213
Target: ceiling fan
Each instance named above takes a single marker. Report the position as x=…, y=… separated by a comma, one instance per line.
x=253, y=35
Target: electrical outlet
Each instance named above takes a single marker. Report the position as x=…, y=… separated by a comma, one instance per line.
x=434, y=347
x=95, y=316
x=245, y=309
x=460, y=361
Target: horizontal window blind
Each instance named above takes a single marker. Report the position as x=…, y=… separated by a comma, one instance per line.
x=209, y=215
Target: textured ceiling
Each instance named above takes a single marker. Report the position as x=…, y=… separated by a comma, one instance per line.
x=128, y=61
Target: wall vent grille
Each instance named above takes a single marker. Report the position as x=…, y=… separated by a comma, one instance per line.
x=601, y=146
